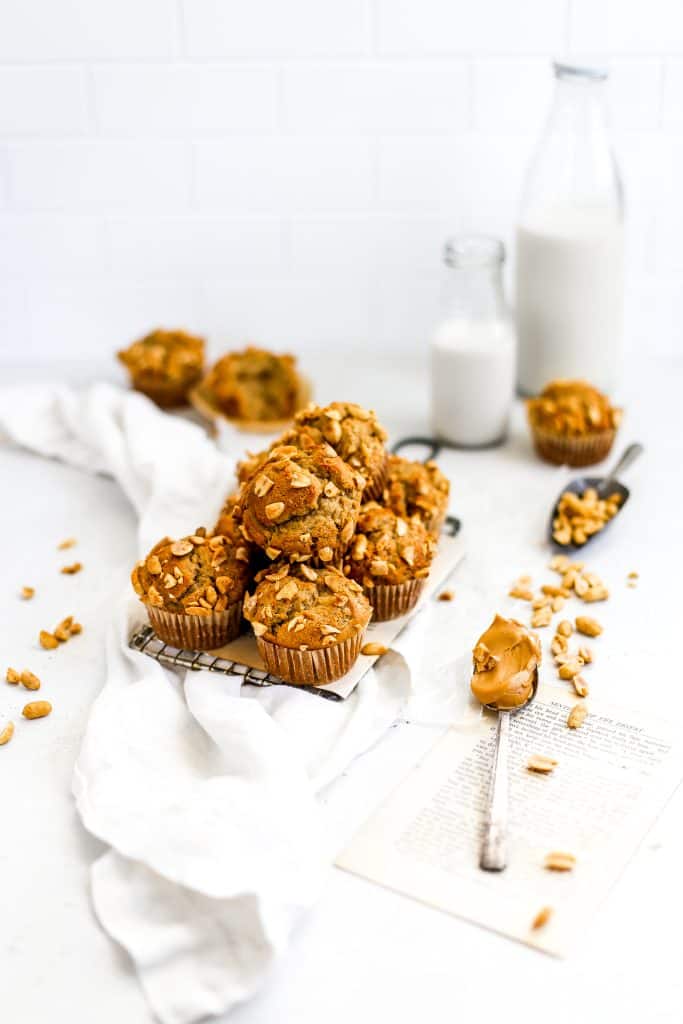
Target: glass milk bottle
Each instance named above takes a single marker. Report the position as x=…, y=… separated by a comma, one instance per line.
x=473, y=347
x=570, y=243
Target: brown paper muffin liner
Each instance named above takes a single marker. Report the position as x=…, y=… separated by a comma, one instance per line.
x=311, y=668
x=205, y=404
x=197, y=632
x=391, y=600
x=573, y=451
x=166, y=396
x=375, y=486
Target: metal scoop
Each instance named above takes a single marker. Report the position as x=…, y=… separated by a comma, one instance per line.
x=494, y=846
x=604, y=486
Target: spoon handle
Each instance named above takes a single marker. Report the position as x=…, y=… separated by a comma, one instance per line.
x=629, y=456
x=494, y=849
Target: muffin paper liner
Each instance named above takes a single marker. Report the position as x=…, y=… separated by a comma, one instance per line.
x=391, y=600
x=375, y=487
x=166, y=396
x=311, y=668
x=197, y=632
x=573, y=451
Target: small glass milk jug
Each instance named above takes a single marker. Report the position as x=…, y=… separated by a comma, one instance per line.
x=473, y=347
x=570, y=242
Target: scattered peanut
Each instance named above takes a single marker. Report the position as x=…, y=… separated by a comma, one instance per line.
x=71, y=570
x=558, y=861
x=522, y=592
x=373, y=650
x=70, y=542
x=580, y=685
x=13, y=676
x=29, y=681
x=571, y=668
x=541, y=618
x=559, y=563
x=63, y=630
x=6, y=734
x=588, y=626
x=586, y=654
x=446, y=595
x=559, y=645
x=577, y=716
x=541, y=764
x=47, y=640
x=565, y=628
x=542, y=918
x=27, y=593
x=37, y=709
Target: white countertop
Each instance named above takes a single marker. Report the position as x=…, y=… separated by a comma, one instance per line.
x=363, y=953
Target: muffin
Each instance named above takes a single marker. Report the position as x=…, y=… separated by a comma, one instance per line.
x=417, y=489
x=193, y=589
x=165, y=366
x=390, y=557
x=572, y=423
x=253, y=387
x=355, y=435
x=253, y=462
x=309, y=622
x=302, y=504
x=226, y=523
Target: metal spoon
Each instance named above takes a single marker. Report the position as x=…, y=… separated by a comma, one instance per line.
x=604, y=486
x=494, y=847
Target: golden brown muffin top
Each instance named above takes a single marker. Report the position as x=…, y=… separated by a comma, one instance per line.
x=304, y=607
x=226, y=522
x=301, y=504
x=196, y=575
x=353, y=432
x=165, y=357
x=254, y=460
x=572, y=408
x=254, y=385
x=388, y=549
x=416, y=489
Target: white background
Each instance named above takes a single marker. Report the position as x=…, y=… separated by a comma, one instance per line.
x=287, y=171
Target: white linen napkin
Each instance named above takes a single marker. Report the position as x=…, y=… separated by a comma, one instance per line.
x=204, y=791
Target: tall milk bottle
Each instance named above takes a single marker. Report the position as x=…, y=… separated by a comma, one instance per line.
x=570, y=243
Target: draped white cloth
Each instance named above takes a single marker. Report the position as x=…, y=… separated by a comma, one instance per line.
x=204, y=792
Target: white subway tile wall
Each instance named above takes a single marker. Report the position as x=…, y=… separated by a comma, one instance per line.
x=287, y=172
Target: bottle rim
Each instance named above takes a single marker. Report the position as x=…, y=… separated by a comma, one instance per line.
x=580, y=70
x=466, y=251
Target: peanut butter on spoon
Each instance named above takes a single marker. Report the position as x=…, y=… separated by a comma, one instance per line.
x=506, y=660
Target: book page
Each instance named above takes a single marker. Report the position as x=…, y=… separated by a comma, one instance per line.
x=613, y=778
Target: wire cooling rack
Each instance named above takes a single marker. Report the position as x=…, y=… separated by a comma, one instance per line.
x=147, y=642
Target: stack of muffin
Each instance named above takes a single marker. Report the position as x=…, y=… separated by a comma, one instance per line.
x=325, y=532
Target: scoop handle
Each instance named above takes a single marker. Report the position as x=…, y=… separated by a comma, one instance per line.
x=626, y=460
x=494, y=847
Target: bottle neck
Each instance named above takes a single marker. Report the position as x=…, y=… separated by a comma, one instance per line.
x=574, y=168
x=474, y=293
x=579, y=107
